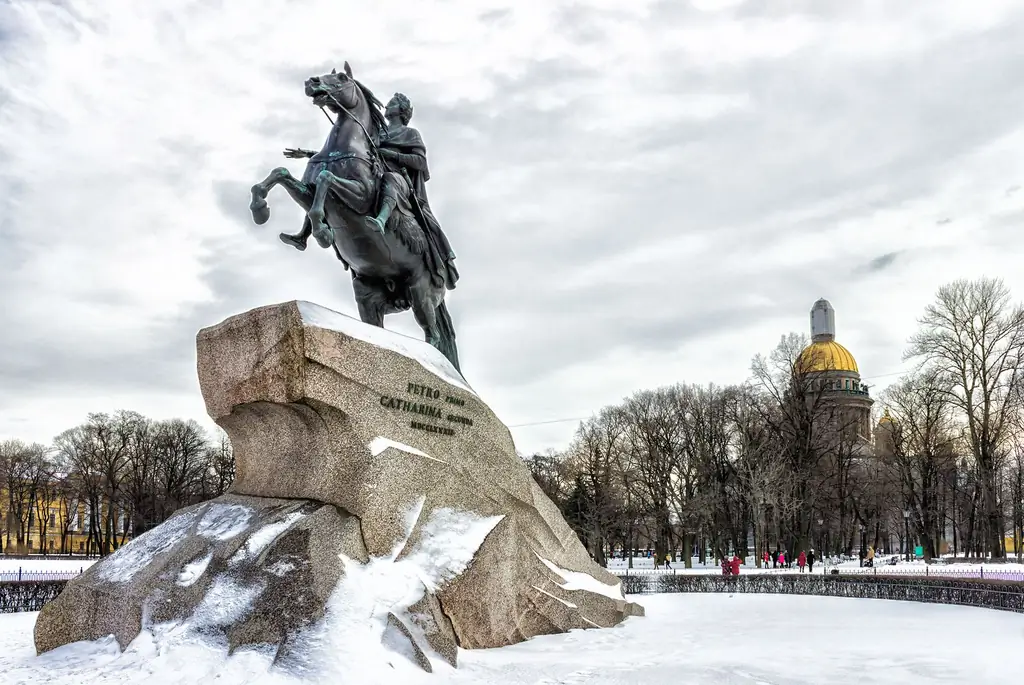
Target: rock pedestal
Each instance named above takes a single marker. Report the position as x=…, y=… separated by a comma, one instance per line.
x=378, y=504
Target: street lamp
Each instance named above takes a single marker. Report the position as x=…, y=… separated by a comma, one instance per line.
x=906, y=530
x=764, y=529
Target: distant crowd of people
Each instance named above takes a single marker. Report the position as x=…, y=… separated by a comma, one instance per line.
x=778, y=559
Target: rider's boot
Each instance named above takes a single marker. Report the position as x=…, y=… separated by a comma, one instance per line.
x=298, y=241
x=386, y=205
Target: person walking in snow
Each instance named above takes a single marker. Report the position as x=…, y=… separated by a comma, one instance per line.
x=775, y=558
x=801, y=561
x=766, y=559
x=810, y=561
x=782, y=558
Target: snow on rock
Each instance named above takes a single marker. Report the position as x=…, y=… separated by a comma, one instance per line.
x=193, y=570
x=559, y=599
x=225, y=603
x=378, y=445
x=281, y=568
x=574, y=580
x=428, y=356
x=224, y=521
x=264, y=537
x=449, y=540
x=122, y=565
x=350, y=643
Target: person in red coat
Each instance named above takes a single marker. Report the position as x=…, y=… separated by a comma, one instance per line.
x=801, y=561
x=736, y=565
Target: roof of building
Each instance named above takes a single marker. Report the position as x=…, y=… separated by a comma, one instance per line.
x=826, y=355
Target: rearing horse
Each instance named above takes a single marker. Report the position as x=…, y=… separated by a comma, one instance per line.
x=339, y=191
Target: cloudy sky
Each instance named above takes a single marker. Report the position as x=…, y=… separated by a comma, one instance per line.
x=639, y=193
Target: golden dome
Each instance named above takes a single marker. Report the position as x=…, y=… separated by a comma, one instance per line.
x=886, y=417
x=826, y=355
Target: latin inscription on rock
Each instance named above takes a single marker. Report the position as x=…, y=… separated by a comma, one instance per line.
x=429, y=403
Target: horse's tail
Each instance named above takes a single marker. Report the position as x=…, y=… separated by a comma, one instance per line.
x=447, y=330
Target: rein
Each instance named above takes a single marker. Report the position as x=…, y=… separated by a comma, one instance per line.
x=373, y=144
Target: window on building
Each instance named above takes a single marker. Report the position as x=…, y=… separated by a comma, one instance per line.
x=81, y=546
x=53, y=519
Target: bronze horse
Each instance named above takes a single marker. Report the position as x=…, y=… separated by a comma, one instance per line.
x=339, y=191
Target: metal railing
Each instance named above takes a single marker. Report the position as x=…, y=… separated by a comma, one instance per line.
x=990, y=594
x=993, y=572
x=25, y=575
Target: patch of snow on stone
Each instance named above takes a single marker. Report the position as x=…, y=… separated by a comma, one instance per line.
x=224, y=521
x=379, y=445
x=448, y=542
x=282, y=568
x=264, y=537
x=225, y=603
x=412, y=516
x=122, y=565
x=557, y=599
x=574, y=580
x=192, y=571
x=428, y=356
x=353, y=630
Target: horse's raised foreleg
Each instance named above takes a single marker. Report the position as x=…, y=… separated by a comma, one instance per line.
x=356, y=195
x=301, y=192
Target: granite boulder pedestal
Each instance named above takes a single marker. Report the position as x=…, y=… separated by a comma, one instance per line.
x=379, y=506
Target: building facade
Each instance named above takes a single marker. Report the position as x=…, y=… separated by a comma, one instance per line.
x=66, y=529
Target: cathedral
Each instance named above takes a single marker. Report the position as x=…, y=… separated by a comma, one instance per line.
x=832, y=373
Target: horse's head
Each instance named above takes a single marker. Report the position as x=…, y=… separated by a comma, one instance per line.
x=334, y=89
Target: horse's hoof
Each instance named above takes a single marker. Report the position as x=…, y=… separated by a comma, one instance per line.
x=289, y=239
x=324, y=236
x=260, y=211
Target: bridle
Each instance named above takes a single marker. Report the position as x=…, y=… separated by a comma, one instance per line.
x=375, y=157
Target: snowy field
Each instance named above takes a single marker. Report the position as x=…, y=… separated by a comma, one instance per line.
x=739, y=640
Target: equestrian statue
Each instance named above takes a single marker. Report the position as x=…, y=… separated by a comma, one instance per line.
x=365, y=196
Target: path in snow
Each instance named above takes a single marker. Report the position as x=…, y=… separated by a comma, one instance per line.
x=740, y=640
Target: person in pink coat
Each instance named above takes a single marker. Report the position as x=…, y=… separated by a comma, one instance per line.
x=782, y=559
x=801, y=561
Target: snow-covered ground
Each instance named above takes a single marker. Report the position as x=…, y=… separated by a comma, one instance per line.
x=738, y=640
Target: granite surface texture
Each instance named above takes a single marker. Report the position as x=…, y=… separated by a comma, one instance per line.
x=351, y=446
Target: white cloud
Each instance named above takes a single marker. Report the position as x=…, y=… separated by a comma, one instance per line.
x=639, y=193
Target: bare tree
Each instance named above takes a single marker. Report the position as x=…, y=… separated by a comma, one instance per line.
x=650, y=450
x=596, y=506
x=973, y=338
x=809, y=427
x=21, y=468
x=922, y=447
